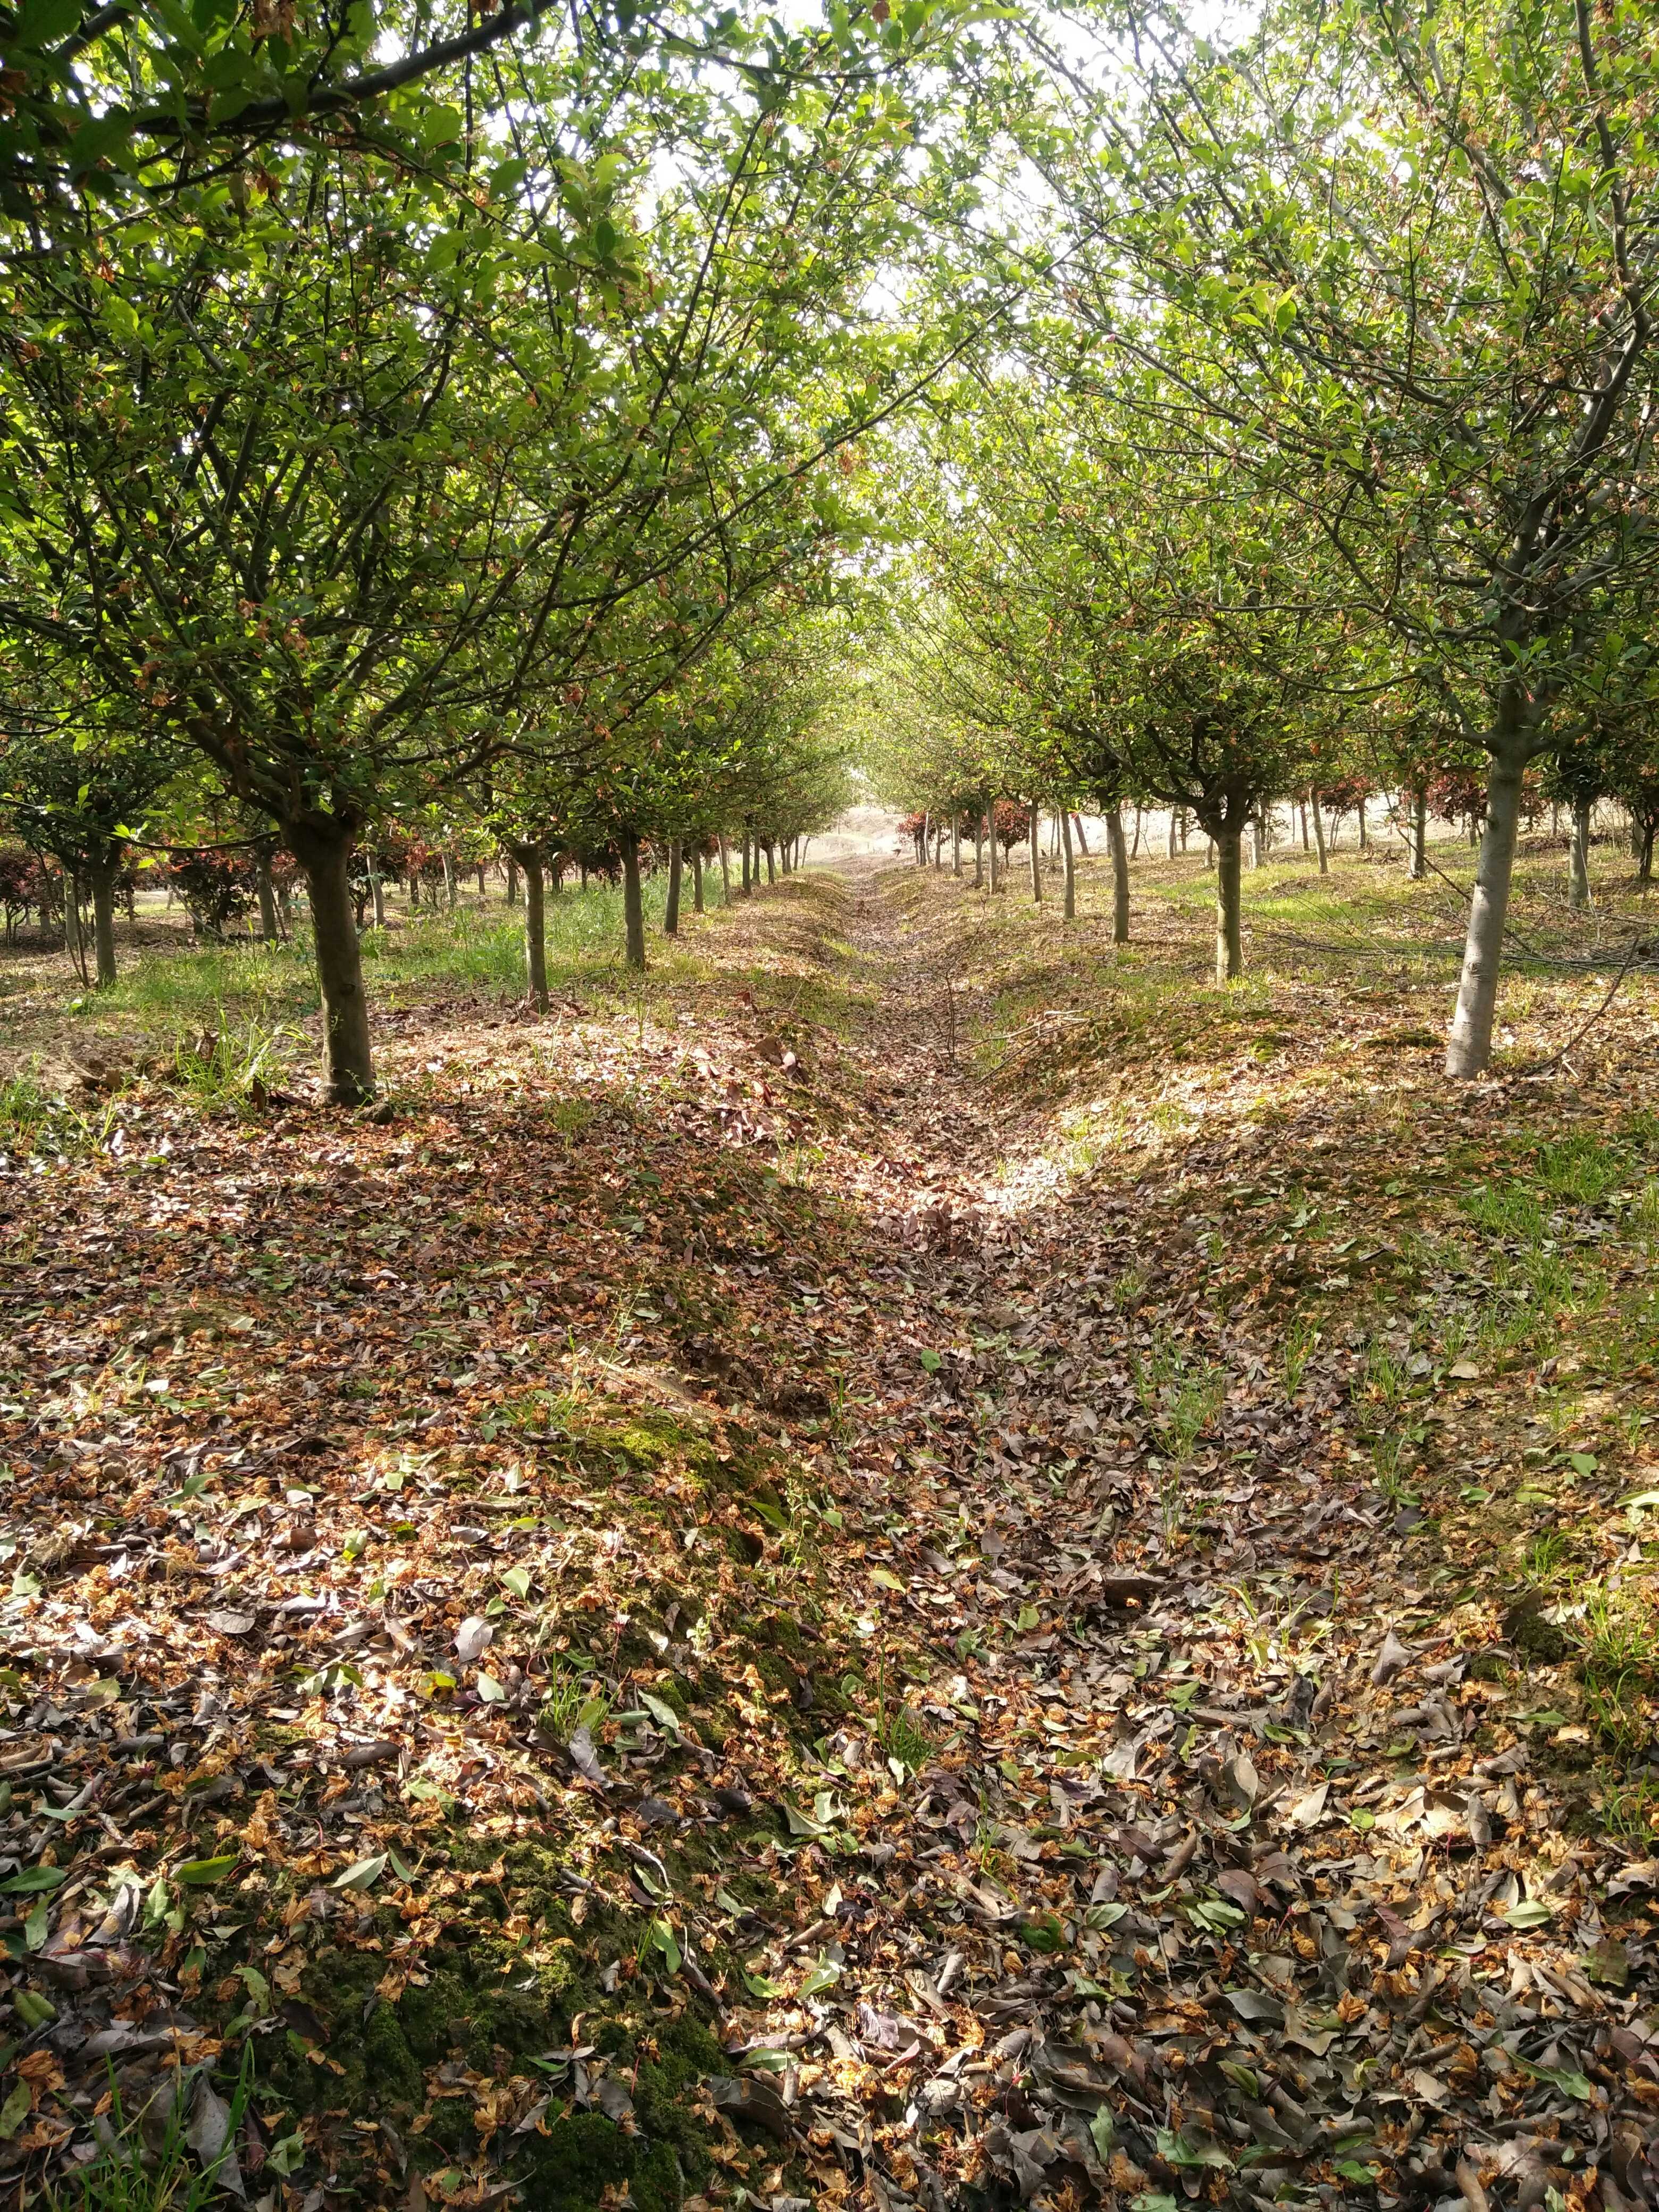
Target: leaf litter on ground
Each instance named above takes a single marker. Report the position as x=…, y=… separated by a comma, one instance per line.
x=669, y=1627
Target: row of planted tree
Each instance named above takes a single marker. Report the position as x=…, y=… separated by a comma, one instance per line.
x=510, y=412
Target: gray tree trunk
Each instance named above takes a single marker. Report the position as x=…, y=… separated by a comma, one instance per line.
x=511, y=883
x=102, y=873
x=696, y=877
x=267, y=898
x=1578, y=893
x=671, y=914
x=1034, y=838
x=726, y=870
x=1419, y=833
x=325, y=853
x=1120, y=875
x=1319, y=831
x=1082, y=842
x=1469, y=1048
x=1069, y=908
x=991, y=845
x=450, y=890
x=1228, y=936
x=535, y=928
x=955, y=845
x=632, y=903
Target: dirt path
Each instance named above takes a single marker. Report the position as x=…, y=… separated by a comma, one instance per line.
x=1249, y=1890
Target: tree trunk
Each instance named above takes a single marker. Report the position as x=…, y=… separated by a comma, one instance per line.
x=1120, y=875
x=414, y=890
x=1082, y=842
x=1644, y=859
x=725, y=871
x=633, y=904
x=1469, y=1048
x=1069, y=908
x=1319, y=831
x=1169, y=855
x=745, y=864
x=1362, y=821
x=670, y=913
x=921, y=841
x=72, y=939
x=696, y=877
x=1578, y=896
x=991, y=846
x=1255, y=841
x=955, y=845
x=377, y=890
x=1419, y=867
x=102, y=872
x=1229, y=938
x=535, y=928
x=323, y=851
x=1035, y=839
x=482, y=889
x=451, y=893
x=1134, y=849
x=267, y=898
x=1301, y=810
x=771, y=873
x=1209, y=852
x=979, y=853
x=511, y=883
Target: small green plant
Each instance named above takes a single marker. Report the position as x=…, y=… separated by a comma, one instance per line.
x=228, y=1066
x=1547, y=1554
x=1616, y=1665
x=1300, y=1340
x=1646, y=1209
x=572, y=1700
x=134, y=2173
x=906, y=1739
x=1510, y=1211
x=1579, y=1170
x=1392, y=1459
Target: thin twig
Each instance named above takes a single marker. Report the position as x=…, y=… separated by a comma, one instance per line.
x=1635, y=947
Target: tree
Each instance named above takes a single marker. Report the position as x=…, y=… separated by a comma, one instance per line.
x=1407, y=251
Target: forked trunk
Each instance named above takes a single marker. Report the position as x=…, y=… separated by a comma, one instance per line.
x=322, y=846
x=670, y=913
x=535, y=928
x=1469, y=1047
x=1120, y=875
x=1070, y=909
x=1228, y=937
x=633, y=903
x=1578, y=857
x=102, y=872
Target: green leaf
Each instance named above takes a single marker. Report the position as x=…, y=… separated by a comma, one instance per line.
x=42, y=24
x=34, y=2010
x=490, y=1690
x=1570, y=2083
x=364, y=1874
x=1028, y=1619
x=659, y=1936
x=36, y=1927
x=1582, y=1462
x=517, y=1579
x=1100, y=2133
x=761, y=1985
x=663, y=1715
x=1185, y=2150
x=800, y=1824
x=33, y=1880
x=885, y=1579
x=285, y=2154
x=1104, y=1915
x=930, y=1361
x=1532, y=1914
x=14, y=2111
x=202, y=1874
x=824, y=1976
